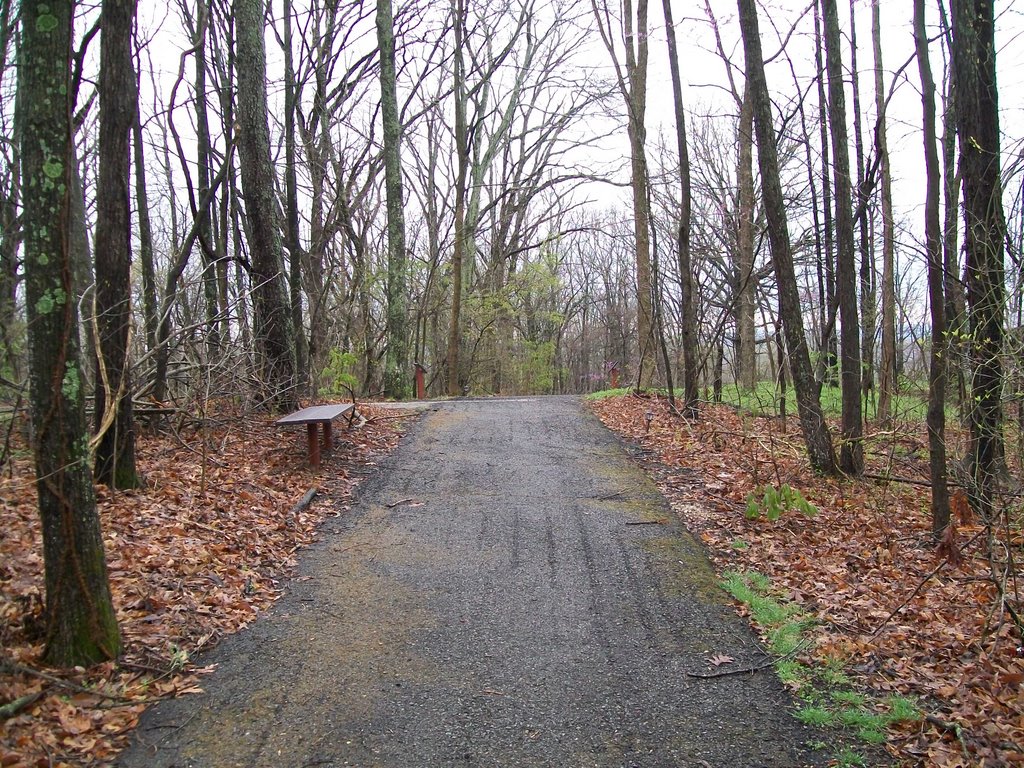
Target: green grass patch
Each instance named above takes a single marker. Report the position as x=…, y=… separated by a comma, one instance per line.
x=816, y=716
x=849, y=758
x=909, y=404
x=606, y=393
x=739, y=544
x=829, y=699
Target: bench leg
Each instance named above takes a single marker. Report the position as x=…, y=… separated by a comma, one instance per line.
x=314, y=444
x=328, y=445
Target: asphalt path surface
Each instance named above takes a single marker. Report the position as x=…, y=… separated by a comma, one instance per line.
x=509, y=590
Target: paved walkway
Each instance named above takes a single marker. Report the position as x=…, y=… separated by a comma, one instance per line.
x=490, y=601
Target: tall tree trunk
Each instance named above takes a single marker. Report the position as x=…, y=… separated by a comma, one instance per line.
x=10, y=203
x=828, y=353
x=974, y=60
x=689, y=309
x=851, y=454
x=812, y=421
x=81, y=624
x=272, y=325
x=887, y=368
x=149, y=312
x=956, y=299
x=636, y=105
x=462, y=151
x=868, y=303
x=396, y=368
x=115, y=450
x=936, y=416
x=746, y=304
x=295, y=254
x=203, y=162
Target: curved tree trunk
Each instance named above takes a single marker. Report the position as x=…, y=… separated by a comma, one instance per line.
x=812, y=421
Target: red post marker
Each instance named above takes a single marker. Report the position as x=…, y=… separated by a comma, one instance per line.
x=421, y=388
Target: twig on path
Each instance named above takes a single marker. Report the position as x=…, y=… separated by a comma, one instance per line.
x=757, y=668
x=492, y=692
x=399, y=503
x=727, y=672
x=608, y=496
x=382, y=417
x=660, y=521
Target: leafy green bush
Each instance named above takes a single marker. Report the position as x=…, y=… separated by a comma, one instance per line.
x=337, y=374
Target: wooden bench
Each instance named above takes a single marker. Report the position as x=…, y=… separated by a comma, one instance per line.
x=312, y=417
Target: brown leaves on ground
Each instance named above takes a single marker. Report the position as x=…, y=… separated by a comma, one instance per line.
x=902, y=620
x=195, y=555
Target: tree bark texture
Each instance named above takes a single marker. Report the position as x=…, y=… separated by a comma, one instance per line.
x=397, y=374
x=81, y=624
x=272, y=323
x=936, y=416
x=851, y=454
x=828, y=352
x=114, y=424
x=868, y=303
x=636, y=105
x=295, y=253
x=689, y=310
x=149, y=305
x=887, y=365
x=812, y=421
x=462, y=150
x=974, y=61
x=747, y=298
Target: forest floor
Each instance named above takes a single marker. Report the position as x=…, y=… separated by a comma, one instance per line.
x=194, y=556
x=889, y=617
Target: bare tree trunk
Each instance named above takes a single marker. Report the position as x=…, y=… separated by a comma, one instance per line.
x=272, y=326
x=10, y=204
x=636, y=104
x=689, y=310
x=149, y=312
x=974, y=60
x=851, y=454
x=812, y=421
x=747, y=298
x=396, y=368
x=462, y=150
x=887, y=369
x=81, y=627
x=203, y=163
x=956, y=300
x=936, y=417
x=295, y=254
x=829, y=347
x=115, y=427
x=868, y=303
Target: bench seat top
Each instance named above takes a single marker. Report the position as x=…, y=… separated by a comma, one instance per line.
x=315, y=413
